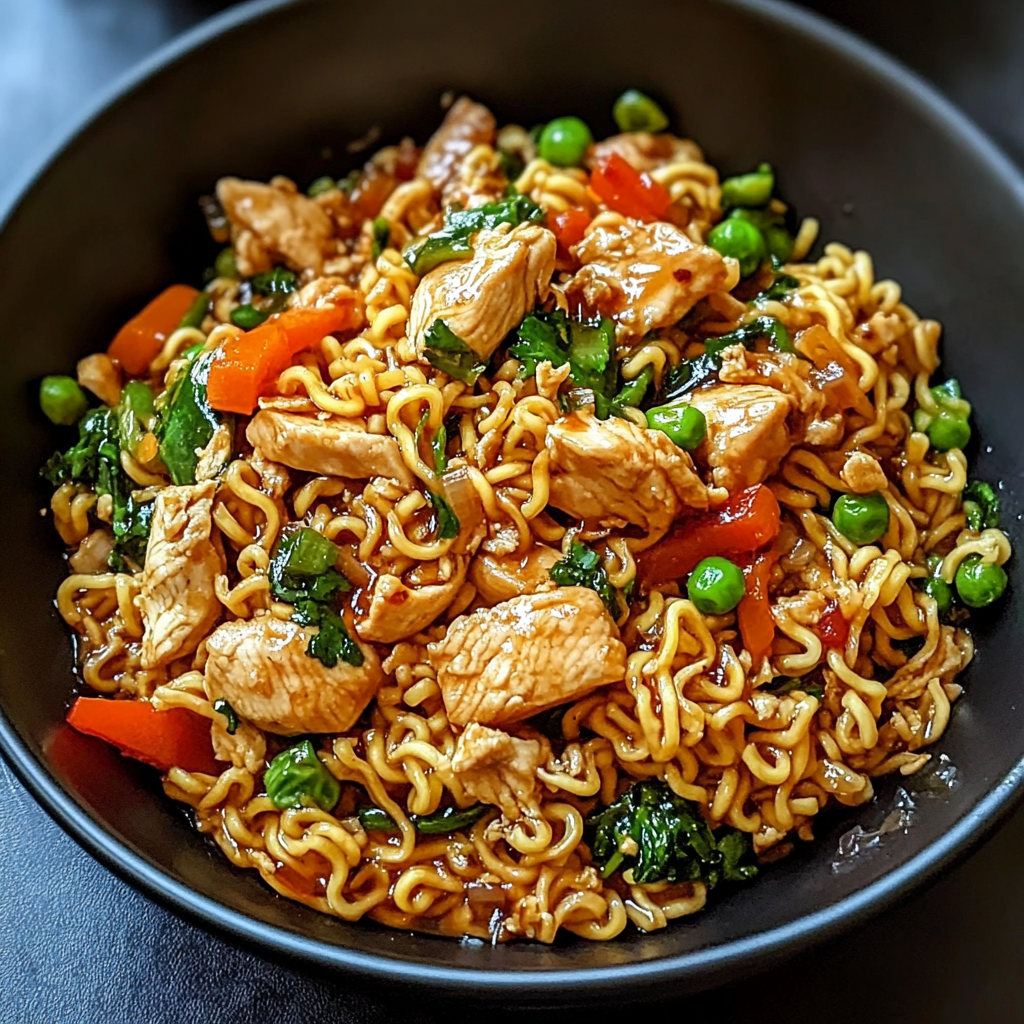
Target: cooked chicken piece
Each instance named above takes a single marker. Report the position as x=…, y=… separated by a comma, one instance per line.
x=246, y=747
x=98, y=374
x=611, y=472
x=331, y=447
x=550, y=378
x=467, y=124
x=747, y=434
x=506, y=663
x=274, y=223
x=261, y=668
x=327, y=291
x=646, y=152
x=214, y=457
x=274, y=478
x=398, y=611
x=499, y=578
x=177, y=599
x=821, y=391
x=93, y=552
x=863, y=474
x=644, y=276
x=483, y=298
x=495, y=768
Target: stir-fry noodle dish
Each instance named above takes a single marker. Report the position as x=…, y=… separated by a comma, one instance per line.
x=520, y=535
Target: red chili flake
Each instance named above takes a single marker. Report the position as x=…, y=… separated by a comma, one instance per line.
x=682, y=276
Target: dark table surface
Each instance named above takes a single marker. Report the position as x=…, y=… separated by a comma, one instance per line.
x=78, y=946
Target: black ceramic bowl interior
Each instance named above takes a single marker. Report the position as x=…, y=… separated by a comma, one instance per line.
x=112, y=218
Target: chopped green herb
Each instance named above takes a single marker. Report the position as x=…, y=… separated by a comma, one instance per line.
x=587, y=346
x=279, y=281
x=302, y=573
x=447, y=352
x=753, y=189
x=298, y=778
x=381, y=236
x=632, y=393
x=659, y=836
x=247, y=316
x=689, y=374
x=222, y=707
x=447, y=521
x=780, y=287
x=196, y=313
x=583, y=568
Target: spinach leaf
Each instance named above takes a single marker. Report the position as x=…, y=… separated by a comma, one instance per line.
x=447, y=352
x=452, y=242
x=302, y=573
x=667, y=840
x=187, y=420
x=442, y=822
x=298, y=778
x=583, y=568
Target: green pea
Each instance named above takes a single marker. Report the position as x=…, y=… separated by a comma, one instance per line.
x=298, y=778
x=564, y=141
x=940, y=592
x=225, y=265
x=63, y=402
x=862, y=518
x=635, y=112
x=779, y=243
x=741, y=240
x=948, y=430
x=716, y=586
x=684, y=423
x=753, y=189
x=979, y=583
x=247, y=316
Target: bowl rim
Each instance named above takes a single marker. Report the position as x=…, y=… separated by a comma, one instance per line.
x=711, y=963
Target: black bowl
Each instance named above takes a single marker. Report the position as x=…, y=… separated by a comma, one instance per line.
x=111, y=218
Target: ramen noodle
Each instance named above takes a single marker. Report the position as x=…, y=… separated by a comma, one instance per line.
x=521, y=535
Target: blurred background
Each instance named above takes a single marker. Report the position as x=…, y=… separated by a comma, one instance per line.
x=79, y=946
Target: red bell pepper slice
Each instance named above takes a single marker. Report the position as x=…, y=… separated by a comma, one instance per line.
x=747, y=522
x=569, y=227
x=753, y=614
x=248, y=363
x=139, y=342
x=170, y=738
x=628, y=191
x=833, y=627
